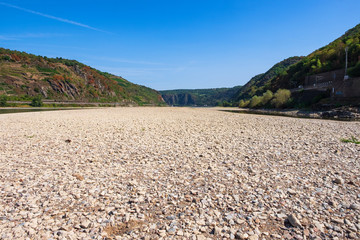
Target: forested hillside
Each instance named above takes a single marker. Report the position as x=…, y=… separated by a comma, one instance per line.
x=268, y=89
x=23, y=76
x=199, y=97
x=260, y=83
x=328, y=58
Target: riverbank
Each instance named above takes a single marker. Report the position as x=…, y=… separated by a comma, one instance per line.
x=8, y=110
x=342, y=113
x=181, y=173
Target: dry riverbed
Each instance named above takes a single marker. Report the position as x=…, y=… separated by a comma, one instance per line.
x=177, y=173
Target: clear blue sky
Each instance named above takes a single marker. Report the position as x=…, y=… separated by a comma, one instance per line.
x=172, y=44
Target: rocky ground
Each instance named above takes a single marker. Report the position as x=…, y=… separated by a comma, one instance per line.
x=177, y=173
x=341, y=113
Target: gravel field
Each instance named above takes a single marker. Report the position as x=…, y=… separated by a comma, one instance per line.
x=177, y=173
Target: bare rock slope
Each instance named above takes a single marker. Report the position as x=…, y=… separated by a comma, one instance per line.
x=176, y=173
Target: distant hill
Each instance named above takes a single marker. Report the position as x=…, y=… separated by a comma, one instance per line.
x=328, y=58
x=291, y=73
x=24, y=75
x=258, y=84
x=198, y=97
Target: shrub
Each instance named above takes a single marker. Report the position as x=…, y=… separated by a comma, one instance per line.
x=36, y=101
x=281, y=97
x=244, y=104
x=266, y=97
x=255, y=101
x=3, y=101
x=226, y=104
x=5, y=57
x=355, y=71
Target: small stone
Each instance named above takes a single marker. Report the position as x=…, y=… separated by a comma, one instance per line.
x=240, y=221
x=339, y=180
x=133, y=182
x=337, y=220
x=352, y=228
x=200, y=237
x=85, y=224
x=236, y=198
x=171, y=230
x=294, y=221
x=229, y=216
x=240, y=235
x=216, y=230
x=354, y=206
x=337, y=229
x=347, y=222
x=319, y=226
x=200, y=222
x=291, y=191
x=357, y=226
x=171, y=217
x=257, y=231
x=274, y=235
x=31, y=231
x=352, y=235
x=162, y=233
x=254, y=237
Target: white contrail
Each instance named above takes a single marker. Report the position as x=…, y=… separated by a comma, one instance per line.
x=52, y=17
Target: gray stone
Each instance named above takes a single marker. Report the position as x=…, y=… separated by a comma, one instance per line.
x=354, y=206
x=339, y=180
x=293, y=220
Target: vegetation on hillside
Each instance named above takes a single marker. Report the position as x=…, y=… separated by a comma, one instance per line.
x=24, y=76
x=37, y=101
x=262, y=82
x=291, y=72
x=199, y=97
x=280, y=99
x=328, y=58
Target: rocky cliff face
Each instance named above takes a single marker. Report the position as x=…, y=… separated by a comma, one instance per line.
x=23, y=74
x=182, y=99
x=198, y=97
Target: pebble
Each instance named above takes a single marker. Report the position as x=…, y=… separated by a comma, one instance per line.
x=354, y=206
x=319, y=226
x=339, y=180
x=294, y=221
x=254, y=237
x=200, y=237
x=172, y=217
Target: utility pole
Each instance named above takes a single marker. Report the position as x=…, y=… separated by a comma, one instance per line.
x=346, y=63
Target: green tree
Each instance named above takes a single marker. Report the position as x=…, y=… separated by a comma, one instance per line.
x=255, y=101
x=266, y=97
x=226, y=104
x=244, y=104
x=36, y=101
x=281, y=97
x=5, y=57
